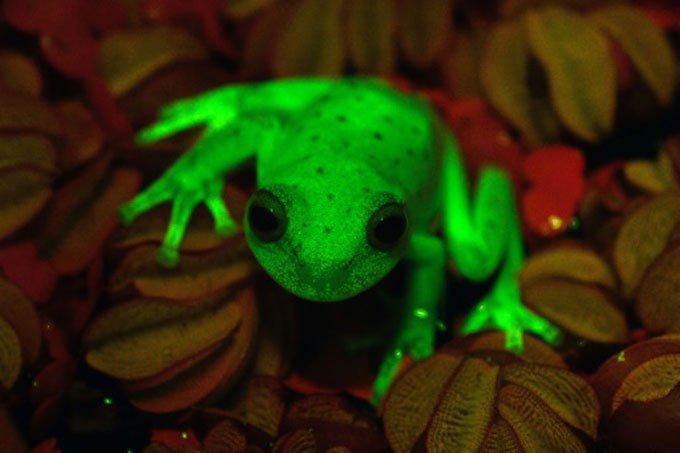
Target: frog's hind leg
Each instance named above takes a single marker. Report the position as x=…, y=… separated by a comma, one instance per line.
x=482, y=237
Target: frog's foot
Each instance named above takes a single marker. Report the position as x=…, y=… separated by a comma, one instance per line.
x=186, y=191
x=416, y=339
x=508, y=314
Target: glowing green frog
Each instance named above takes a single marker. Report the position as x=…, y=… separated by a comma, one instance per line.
x=350, y=174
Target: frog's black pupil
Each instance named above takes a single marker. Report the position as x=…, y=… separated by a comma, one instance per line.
x=262, y=219
x=390, y=229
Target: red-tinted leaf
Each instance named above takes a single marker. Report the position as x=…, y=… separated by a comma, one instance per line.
x=21, y=264
x=175, y=439
x=555, y=175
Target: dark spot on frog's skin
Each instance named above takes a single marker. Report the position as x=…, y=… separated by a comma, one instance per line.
x=326, y=229
x=307, y=157
x=317, y=114
x=236, y=132
x=396, y=161
x=341, y=118
x=348, y=210
x=359, y=98
x=409, y=151
x=388, y=119
x=377, y=135
x=348, y=263
x=366, y=190
x=345, y=143
x=331, y=196
x=315, y=138
x=319, y=170
x=415, y=130
x=371, y=156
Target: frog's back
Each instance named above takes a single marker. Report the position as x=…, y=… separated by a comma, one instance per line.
x=367, y=122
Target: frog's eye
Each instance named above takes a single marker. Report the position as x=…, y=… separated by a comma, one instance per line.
x=387, y=226
x=266, y=216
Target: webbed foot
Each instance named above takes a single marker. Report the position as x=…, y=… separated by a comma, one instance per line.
x=503, y=310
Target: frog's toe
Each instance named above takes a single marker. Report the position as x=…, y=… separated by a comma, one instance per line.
x=167, y=256
x=225, y=225
x=514, y=339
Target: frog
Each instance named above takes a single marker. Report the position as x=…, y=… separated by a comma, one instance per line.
x=353, y=176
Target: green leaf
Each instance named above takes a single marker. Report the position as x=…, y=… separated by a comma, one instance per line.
x=581, y=73
x=645, y=44
x=504, y=76
x=311, y=43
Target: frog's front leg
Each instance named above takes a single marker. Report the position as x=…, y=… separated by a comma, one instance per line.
x=198, y=176
x=426, y=257
x=480, y=238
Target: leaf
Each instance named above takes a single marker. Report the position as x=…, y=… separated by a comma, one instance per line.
x=576, y=58
x=569, y=396
x=370, y=28
x=225, y=436
x=86, y=207
x=22, y=266
x=413, y=398
x=609, y=378
x=650, y=381
x=334, y=423
x=487, y=400
x=127, y=58
x=311, y=40
x=650, y=224
x=240, y=9
x=83, y=137
x=536, y=428
x=27, y=149
x=196, y=275
x=504, y=75
x=175, y=439
x=136, y=352
x=10, y=355
x=24, y=191
x=11, y=438
x=555, y=178
x=656, y=300
x=425, y=28
x=21, y=112
x=262, y=405
x=656, y=176
x=461, y=64
x=645, y=44
x=19, y=73
x=465, y=409
x=534, y=351
x=573, y=262
x=20, y=313
x=583, y=310
x=210, y=377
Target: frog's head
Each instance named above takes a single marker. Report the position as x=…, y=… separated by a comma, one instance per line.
x=329, y=241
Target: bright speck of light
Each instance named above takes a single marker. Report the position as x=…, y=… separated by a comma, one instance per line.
x=420, y=313
x=555, y=222
x=621, y=357
x=108, y=401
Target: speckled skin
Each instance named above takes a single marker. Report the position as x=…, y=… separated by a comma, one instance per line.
x=329, y=155
x=334, y=163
